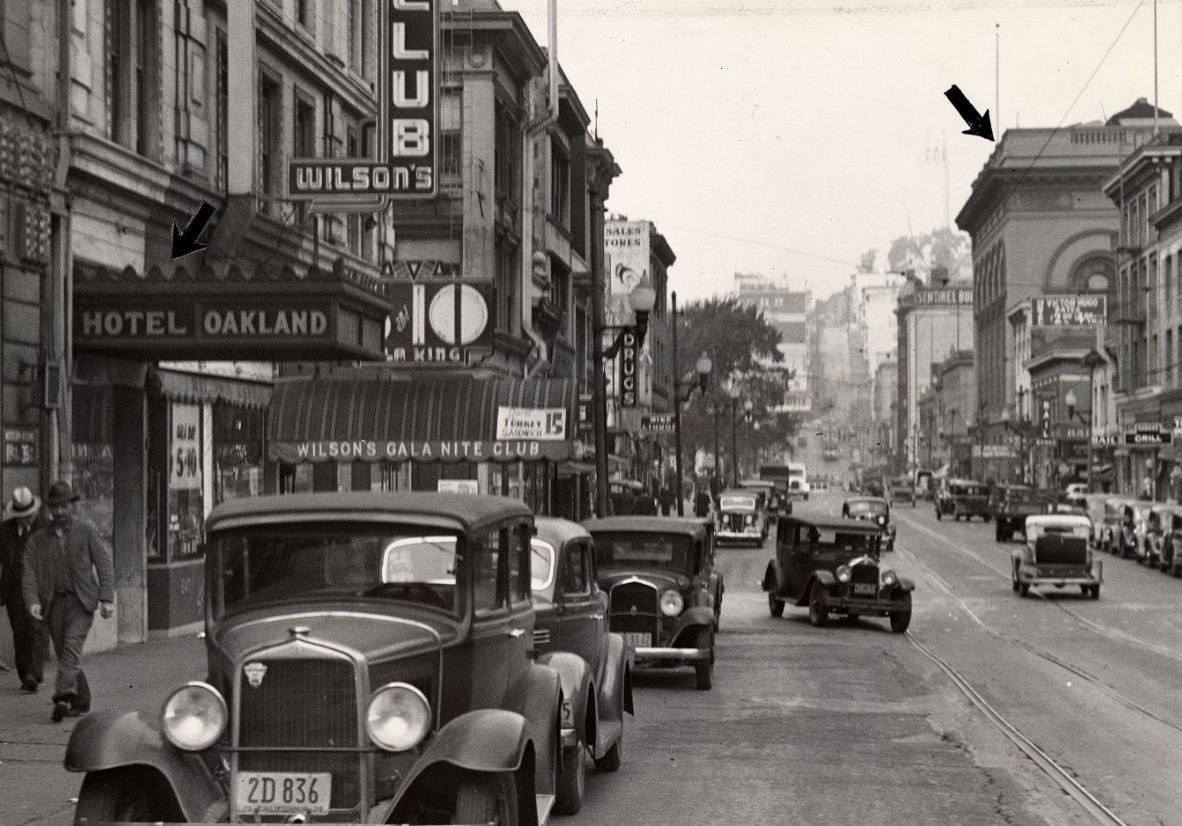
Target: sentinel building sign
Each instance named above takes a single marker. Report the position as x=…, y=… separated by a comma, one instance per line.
x=407, y=162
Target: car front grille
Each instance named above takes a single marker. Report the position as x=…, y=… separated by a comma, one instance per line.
x=733, y=522
x=303, y=706
x=634, y=608
x=864, y=574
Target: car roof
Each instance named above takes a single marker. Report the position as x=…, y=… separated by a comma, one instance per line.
x=850, y=499
x=464, y=511
x=648, y=524
x=560, y=531
x=831, y=523
x=737, y=492
x=1062, y=520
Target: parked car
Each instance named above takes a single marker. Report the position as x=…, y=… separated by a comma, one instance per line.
x=1171, y=549
x=1137, y=517
x=1157, y=518
x=1075, y=492
x=962, y=498
x=370, y=660
x=834, y=566
x=903, y=490
x=1116, y=524
x=571, y=615
x=739, y=517
x=1094, y=507
x=664, y=595
x=874, y=510
x=1009, y=506
x=1057, y=553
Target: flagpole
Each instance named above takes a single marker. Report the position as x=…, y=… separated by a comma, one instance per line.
x=997, y=76
x=1155, y=67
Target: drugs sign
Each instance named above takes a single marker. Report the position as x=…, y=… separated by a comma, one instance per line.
x=407, y=162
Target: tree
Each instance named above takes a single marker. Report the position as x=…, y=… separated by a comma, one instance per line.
x=942, y=247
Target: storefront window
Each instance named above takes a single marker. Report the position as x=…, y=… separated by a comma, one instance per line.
x=238, y=452
x=93, y=456
x=186, y=507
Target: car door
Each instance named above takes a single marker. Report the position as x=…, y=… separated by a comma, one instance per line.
x=581, y=619
x=502, y=620
x=796, y=561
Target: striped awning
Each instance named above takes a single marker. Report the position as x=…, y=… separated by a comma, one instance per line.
x=430, y=419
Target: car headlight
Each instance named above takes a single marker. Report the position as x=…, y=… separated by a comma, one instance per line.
x=889, y=578
x=749, y=520
x=844, y=573
x=194, y=716
x=398, y=717
x=671, y=603
x=880, y=520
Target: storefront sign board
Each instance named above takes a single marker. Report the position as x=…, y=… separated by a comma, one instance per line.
x=539, y=423
x=20, y=446
x=1068, y=310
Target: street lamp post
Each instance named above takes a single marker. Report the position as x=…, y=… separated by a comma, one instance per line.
x=733, y=391
x=748, y=406
x=703, y=367
x=642, y=300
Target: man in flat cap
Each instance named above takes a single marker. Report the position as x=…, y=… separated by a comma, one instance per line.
x=28, y=636
x=68, y=574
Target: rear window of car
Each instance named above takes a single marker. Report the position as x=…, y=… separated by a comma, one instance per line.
x=655, y=550
x=737, y=503
x=866, y=507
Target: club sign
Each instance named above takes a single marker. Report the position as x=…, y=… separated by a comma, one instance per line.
x=407, y=162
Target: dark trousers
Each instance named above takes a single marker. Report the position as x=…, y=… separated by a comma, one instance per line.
x=69, y=624
x=30, y=641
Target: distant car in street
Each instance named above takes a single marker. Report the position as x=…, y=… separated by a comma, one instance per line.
x=1057, y=553
x=962, y=499
x=1009, y=506
x=740, y=518
x=875, y=510
x=833, y=566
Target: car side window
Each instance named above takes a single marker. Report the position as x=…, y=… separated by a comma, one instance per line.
x=488, y=591
x=576, y=581
x=518, y=552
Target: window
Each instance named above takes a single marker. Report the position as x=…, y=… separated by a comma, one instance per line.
x=506, y=279
x=304, y=128
x=519, y=556
x=559, y=184
x=575, y=577
x=14, y=29
x=361, y=20
x=270, y=133
x=221, y=91
x=506, y=152
x=488, y=591
x=304, y=13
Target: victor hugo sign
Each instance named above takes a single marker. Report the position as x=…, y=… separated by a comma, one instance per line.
x=1068, y=310
x=407, y=162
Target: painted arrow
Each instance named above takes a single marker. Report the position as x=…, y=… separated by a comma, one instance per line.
x=186, y=243
x=978, y=124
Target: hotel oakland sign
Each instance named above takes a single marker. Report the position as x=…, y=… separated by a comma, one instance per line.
x=162, y=321
x=407, y=161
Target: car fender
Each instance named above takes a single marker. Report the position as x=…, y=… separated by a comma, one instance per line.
x=821, y=577
x=904, y=584
x=538, y=695
x=615, y=684
x=691, y=620
x=772, y=577
x=489, y=740
x=574, y=675
x=118, y=739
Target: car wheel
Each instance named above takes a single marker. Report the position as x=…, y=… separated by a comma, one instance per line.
x=122, y=796
x=487, y=798
x=818, y=610
x=704, y=669
x=1014, y=584
x=775, y=606
x=572, y=781
x=939, y=515
x=900, y=612
x=1095, y=592
x=610, y=762
x=1024, y=588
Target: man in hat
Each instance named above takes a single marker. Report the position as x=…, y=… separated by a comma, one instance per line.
x=28, y=636
x=60, y=586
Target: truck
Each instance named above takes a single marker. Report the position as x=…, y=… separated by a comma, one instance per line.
x=790, y=477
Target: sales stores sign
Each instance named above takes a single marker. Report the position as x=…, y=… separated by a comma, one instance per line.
x=541, y=424
x=1068, y=310
x=407, y=162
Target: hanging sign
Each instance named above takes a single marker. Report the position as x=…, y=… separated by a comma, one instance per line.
x=438, y=321
x=544, y=424
x=629, y=384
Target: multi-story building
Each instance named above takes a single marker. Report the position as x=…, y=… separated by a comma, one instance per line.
x=787, y=310
x=1041, y=225
x=953, y=409
x=401, y=333
x=1147, y=381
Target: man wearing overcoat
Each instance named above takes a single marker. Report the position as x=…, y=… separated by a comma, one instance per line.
x=28, y=636
x=68, y=574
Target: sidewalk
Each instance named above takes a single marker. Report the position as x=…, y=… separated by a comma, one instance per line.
x=34, y=788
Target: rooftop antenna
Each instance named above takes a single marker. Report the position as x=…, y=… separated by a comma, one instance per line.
x=997, y=75
x=1155, y=67
x=597, y=119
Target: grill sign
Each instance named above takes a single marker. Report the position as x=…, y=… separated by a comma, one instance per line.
x=254, y=673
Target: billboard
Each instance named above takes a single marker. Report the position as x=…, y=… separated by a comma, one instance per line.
x=1068, y=310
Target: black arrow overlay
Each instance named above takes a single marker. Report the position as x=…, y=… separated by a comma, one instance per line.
x=185, y=243
x=978, y=124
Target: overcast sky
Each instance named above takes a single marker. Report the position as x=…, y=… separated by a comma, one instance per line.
x=788, y=136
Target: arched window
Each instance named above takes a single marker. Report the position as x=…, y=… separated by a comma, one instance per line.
x=1094, y=274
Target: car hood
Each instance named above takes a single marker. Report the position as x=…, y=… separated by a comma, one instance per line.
x=661, y=580
x=375, y=636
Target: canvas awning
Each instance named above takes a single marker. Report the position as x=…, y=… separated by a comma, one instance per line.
x=428, y=419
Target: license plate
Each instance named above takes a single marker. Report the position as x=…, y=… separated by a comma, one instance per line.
x=637, y=640
x=864, y=588
x=283, y=793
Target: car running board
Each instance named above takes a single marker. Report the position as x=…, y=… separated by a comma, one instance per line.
x=609, y=731
x=545, y=804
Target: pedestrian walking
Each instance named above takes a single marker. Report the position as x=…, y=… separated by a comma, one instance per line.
x=28, y=636
x=667, y=500
x=68, y=575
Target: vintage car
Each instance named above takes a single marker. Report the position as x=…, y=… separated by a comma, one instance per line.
x=962, y=498
x=739, y=517
x=903, y=490
x=1137, y=529
x=371, y=660
x=833, y=566
x=664, y=596
x=1009, y=506
x=1057, y=552
x=769, y=499
x=1116, y=529
x=875, y=510
x=1157, y=518
x=1171, y=547
x=1093, y=504
x=571, y=615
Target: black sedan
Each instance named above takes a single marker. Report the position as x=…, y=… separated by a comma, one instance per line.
x=872, y=509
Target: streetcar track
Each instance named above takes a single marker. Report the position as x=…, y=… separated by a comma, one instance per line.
x=1102, y=630
x=1061, y=776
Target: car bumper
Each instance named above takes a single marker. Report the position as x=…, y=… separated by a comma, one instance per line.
x=1034, y=575
x=686, y=654
x=570, y=738
x=738, y=536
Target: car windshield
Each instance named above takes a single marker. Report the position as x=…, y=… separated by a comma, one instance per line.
x=866, y=507
x=670, y=552
x=828, y=539
x=284, y=563
x=736, y=503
